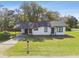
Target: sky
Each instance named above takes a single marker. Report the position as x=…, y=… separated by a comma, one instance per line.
x=65, y=8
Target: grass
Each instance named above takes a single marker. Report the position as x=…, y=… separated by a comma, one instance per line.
x=47, y=46
x=13, y=33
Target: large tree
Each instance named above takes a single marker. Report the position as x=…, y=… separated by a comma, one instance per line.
x=34, y=12
x=52, y=15
x=7, y=19
x=71, y=21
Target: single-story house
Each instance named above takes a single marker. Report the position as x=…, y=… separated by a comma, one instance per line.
x=42, y=28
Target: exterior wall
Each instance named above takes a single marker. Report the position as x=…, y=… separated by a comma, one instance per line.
x=58, y=33
x=40, y=31
x=22, y=30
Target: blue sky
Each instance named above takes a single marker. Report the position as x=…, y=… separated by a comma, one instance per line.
x=63, y=7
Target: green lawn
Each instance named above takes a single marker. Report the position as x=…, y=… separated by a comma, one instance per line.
x=47, y=46
x=13, y=33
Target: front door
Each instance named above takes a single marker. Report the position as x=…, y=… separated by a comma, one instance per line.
x=26, y=31
x=30, y=31
x=52, y=30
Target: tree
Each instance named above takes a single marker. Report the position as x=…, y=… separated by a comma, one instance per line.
x=17, y=15
x=72, y=21
x=33, y=12
x=26, y=8
x=39, y=13
x=1, y=17
x=52, y=15
x=7, y=18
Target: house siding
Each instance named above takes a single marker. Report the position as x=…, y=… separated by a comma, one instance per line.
x=58, y=33
x=41, y=31
x=22, y=30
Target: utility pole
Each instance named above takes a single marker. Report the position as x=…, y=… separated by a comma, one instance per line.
x=24, y=21
x=27, y=46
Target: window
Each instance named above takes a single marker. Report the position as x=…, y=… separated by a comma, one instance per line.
x=35, y=29
x=45, y=29
x=60, y=29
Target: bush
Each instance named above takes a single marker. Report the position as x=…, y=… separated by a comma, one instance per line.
x=68, y=29
x=4, y=36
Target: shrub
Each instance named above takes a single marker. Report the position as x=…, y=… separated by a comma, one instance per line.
x=68, y=29
x=4, y=36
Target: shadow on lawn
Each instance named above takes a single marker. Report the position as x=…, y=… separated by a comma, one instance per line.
x=63, y=36
x=41, y=38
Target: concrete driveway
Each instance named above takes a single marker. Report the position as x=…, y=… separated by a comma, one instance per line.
x=8, y=44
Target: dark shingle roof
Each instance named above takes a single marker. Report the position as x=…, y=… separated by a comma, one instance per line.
x=32, y=25
x=39, y=24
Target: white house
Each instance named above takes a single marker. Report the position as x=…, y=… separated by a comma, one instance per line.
x=58, y=27
x=43, y=28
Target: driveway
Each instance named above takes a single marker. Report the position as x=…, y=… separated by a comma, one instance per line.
x=8, y=44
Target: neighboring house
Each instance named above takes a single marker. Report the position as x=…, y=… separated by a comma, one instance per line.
x=42, y=28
